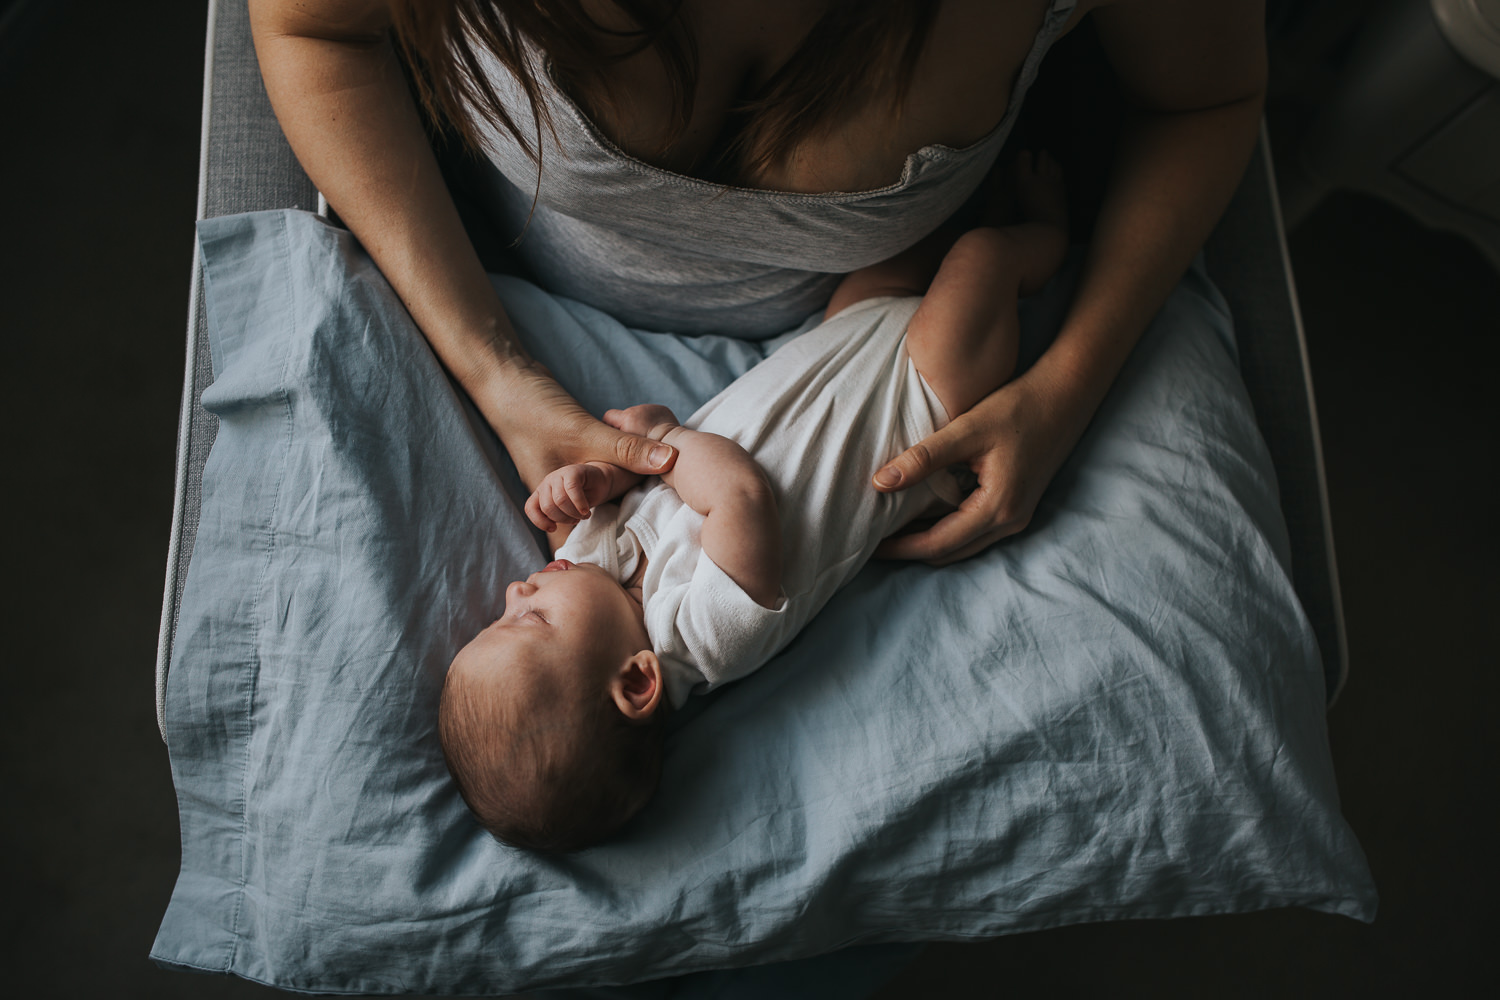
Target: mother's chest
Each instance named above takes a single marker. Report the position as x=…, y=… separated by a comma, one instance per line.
x=960, y=89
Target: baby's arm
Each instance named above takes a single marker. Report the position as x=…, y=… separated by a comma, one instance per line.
x=718, y=479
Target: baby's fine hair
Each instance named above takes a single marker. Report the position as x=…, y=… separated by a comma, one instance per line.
x=528, y=794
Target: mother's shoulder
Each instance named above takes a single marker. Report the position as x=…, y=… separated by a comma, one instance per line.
x=333, y=20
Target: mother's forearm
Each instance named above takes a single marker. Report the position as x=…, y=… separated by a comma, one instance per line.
x=343, y=102
x=1173, y=176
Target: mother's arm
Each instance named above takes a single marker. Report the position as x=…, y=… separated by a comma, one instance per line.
x=1196, y=76
x=340, y=96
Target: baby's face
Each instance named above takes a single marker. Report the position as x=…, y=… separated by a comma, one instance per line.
x=574, y=621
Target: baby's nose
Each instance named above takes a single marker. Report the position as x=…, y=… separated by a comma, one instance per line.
x=521, y=588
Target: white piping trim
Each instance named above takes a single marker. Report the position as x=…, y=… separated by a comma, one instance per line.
x=185, y=412
x=1312, y=409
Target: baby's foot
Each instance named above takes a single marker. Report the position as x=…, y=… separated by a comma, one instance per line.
x=1040, y=194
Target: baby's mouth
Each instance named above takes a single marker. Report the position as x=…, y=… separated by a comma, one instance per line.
x=557, y=564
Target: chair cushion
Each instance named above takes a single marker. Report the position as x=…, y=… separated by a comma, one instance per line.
x=1117, y=714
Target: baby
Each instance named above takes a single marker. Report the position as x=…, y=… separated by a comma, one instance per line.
x=552, y=718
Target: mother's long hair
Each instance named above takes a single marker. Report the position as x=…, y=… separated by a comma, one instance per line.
x=859, y=51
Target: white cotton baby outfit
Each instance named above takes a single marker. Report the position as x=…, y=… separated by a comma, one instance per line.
x=820, y=415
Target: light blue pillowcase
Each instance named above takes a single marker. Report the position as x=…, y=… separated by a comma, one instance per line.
x=1117, y=714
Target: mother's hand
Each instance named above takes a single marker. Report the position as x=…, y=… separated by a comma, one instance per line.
x=1014, y=441
x=544, y=428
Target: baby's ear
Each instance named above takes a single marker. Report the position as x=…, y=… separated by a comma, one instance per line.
x=638, y=686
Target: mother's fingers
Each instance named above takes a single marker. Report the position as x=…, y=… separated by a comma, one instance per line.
x=640, y=419
x=975, y=547
x=950, y=534
x=963, y=533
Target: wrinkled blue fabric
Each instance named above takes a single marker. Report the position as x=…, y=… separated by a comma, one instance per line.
x=1117, y=714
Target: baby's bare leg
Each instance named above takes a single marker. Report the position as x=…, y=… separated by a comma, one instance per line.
x=907, y=273
x=965, y=336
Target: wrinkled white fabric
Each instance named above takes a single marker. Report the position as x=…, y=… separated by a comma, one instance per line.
x=819, y=416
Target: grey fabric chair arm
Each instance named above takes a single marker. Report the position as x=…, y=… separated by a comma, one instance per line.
x=244, y=165
x=1248, y=259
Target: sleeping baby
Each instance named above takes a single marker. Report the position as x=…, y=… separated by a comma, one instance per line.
x=552, y=718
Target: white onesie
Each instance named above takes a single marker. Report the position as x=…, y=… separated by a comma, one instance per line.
x=820, y=415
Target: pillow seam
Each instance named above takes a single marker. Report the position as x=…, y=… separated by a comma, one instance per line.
x=284, y=247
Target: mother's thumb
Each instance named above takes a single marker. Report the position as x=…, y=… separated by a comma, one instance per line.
x=914, y=464
x=642, y=455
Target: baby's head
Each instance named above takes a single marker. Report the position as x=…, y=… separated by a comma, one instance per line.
x=551, y=719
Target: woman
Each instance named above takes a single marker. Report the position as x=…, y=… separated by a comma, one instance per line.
x=685, y=89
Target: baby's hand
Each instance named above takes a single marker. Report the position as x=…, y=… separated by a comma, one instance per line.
x=647, y=419
x=570, y=494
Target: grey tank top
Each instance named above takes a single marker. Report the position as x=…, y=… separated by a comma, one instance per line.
x=663, y=251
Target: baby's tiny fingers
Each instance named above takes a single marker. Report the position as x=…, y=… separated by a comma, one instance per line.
x=535, y=516
x=578, y=497
x=548, y=497
x=560, y=508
